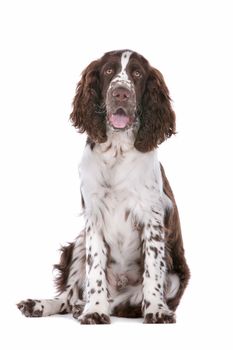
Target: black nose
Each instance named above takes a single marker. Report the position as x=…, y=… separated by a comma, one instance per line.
x=121, y=94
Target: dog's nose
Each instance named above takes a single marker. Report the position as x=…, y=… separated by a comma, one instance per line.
x=121, y=94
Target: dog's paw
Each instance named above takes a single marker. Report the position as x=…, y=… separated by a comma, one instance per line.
x=94, y=318
x=77, y=310
x=160, y=317
x=31, y=308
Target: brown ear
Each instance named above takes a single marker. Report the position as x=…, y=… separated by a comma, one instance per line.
x=86, y=114
x=157, y=117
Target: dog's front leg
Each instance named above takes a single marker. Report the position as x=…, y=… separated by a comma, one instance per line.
x=154, y=306
x=96, y=310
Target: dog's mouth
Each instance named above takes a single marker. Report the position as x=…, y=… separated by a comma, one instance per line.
x=120, y=119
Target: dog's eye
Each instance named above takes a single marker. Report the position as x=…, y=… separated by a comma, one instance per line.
x=108, y=71
x=137, y=74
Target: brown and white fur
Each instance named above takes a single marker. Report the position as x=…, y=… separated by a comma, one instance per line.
x=129, y=259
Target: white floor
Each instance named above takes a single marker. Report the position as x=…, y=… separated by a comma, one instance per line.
x=195, y=329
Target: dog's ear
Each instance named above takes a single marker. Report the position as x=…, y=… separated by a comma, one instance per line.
x=157, y=117
x=85, y=115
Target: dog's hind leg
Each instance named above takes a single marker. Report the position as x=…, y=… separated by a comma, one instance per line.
x=44, y=307
x=70, y=284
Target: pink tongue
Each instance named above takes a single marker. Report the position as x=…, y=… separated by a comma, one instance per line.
x=119, y=121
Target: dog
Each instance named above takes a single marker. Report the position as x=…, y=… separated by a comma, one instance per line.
x=129, y=259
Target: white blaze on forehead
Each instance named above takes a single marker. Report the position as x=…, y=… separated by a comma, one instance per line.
x=122, y=75
x=124, y=61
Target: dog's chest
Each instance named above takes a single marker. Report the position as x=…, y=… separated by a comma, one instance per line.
x=121, y=230
x=117, y=188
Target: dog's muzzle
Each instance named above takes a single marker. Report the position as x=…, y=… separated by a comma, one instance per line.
x=121, y=105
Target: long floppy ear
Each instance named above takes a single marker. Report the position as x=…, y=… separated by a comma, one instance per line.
x=86, y=114
x=157, y=117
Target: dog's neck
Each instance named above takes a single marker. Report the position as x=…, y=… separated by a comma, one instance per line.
x=121, y=141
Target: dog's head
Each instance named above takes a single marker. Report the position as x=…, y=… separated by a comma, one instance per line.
x=121, y=92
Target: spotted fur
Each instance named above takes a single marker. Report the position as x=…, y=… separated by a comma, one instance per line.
x=129, y=259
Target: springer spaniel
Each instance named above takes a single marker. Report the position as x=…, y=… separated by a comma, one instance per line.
x=129, y=259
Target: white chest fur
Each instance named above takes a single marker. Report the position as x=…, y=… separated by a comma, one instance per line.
x=120, y=186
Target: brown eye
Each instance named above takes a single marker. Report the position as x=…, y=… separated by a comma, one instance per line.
x=137, y=74
x=108, y=71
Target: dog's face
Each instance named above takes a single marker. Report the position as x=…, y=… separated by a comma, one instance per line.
x=122, y=78
x=121, y=91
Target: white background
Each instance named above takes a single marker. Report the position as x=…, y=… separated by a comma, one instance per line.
x=44, y=47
